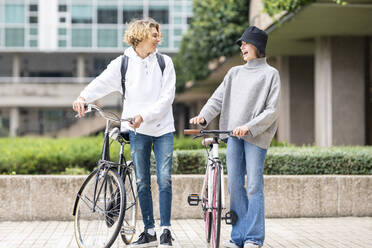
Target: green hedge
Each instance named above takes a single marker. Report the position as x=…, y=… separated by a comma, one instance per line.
x=79, y=156
x=292, y=161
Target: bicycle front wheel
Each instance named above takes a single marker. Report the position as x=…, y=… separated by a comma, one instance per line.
x=100, y=210
x=216, y=211
x=129, y=225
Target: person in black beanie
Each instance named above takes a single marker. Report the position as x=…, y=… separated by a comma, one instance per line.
x=248, y=101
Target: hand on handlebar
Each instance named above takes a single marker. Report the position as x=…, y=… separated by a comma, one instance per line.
x=137, y=122
x=240, y=131
x=79, y=106
x=197, y=120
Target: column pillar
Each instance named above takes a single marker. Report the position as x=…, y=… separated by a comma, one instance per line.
x=284, y=123
x=14, y=121
x=339, y=91
x=80, y=64
x=16, y=68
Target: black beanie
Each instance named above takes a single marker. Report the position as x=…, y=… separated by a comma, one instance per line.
x=255, y=36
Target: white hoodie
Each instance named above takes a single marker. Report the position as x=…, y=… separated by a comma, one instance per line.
x=147, y=92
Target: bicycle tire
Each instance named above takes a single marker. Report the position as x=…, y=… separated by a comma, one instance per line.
x=128, y=228
x=207, y=213
x=100, y=228
x=216, y=211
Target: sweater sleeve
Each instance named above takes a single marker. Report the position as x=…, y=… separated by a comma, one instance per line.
x=271, y=112
x=107, y=82
x=157, y=110
x=214, y=104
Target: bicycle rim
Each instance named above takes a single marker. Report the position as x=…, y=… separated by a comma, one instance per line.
x=128, y=228
x=99, y=227
x=216, y=211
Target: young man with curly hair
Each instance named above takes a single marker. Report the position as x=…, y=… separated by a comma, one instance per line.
x=148, y=97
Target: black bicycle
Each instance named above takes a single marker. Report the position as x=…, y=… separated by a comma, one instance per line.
x=106, y=203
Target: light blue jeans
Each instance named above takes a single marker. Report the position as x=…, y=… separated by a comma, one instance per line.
x=140, y=146
x=244, y=158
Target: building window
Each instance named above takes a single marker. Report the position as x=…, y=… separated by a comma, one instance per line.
x=107, y=38
x=33, y=7
x=132, y=12
x=33, y=19
x=81, y=14
x=33, y=43
x=14, y=37
x=165, y=38
x=159, y=14
x=33, y=31
x=62, y=8
x=107, y=14
x=14, y=13
x=81, y=37
x=62, y=43
x=177, y=20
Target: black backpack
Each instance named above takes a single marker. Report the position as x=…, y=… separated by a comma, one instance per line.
x=124, y=68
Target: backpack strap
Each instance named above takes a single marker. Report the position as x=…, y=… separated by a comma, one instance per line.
x=161, y=62
x=124, y=68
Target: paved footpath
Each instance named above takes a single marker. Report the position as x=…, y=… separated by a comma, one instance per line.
x=343, y=232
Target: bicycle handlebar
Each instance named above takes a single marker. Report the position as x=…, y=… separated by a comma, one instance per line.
x=203, y=132
x=89, y=108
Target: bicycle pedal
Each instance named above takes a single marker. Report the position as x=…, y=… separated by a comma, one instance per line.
x=230, y=217
x=193, y=199
x=128, y=230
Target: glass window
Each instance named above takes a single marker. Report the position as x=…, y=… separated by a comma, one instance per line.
x=132, y=12
x=33, y=31
x=62, y=43
x=107, y=38
x=177, y=20
x=165, y=38
x=159, y=14
x=14, y=37
x=177, y=8
x=81, y=14
x=14, y=13
x=33, y=43
x=189, y=20
x=62, y=20
x=62, y=31
x=33, y=19
x=62, y=8
x=107, y=14
x=81, y=37
x=177, y=32
x=177, y=43
x=1, y=13
x=33, y=7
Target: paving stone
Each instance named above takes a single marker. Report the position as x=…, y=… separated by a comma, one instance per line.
x=342, y=232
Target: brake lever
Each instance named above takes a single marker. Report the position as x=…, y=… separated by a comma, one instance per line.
x=197, y=136
x=89, y=109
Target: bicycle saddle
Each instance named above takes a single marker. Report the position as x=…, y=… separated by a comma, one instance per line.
x=124, y=135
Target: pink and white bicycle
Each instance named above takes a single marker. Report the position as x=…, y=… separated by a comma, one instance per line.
x=212, y=196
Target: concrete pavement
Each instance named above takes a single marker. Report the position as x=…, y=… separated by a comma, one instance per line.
x=341, y=232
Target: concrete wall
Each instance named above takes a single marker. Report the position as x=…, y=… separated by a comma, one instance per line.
x=52, y=197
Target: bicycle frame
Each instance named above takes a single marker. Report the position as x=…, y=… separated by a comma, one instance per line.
x=213, y=162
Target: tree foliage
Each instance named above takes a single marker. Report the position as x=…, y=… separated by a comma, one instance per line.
x=215, y=26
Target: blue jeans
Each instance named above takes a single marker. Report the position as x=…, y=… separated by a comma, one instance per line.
x=140, y=146
x=244, y=158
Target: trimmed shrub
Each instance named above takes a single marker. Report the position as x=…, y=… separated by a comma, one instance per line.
x=80, y=155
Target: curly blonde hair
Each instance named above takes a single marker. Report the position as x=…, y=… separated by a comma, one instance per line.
x=139, y=30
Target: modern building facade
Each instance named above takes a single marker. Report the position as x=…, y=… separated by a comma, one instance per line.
x=50, y=49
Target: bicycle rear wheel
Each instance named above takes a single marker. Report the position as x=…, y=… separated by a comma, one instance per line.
x=99, y=225
x=128, y=228
x=216, y=211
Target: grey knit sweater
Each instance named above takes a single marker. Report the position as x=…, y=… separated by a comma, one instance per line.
x=248, y=95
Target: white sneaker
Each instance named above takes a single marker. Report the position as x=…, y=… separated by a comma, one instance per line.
x=229, y=244
x=251, y=245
